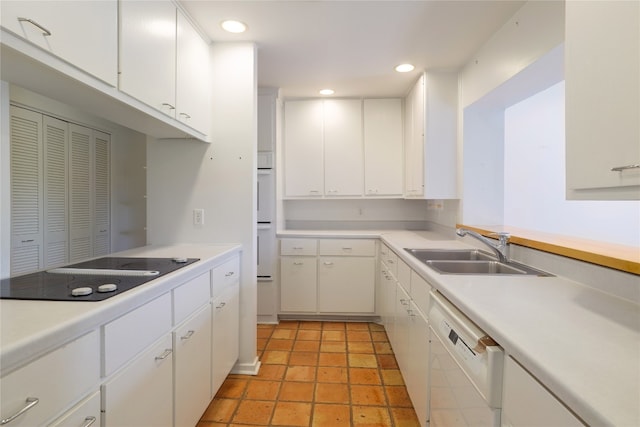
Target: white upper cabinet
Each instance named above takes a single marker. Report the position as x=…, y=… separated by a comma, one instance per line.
x=303, y=149
x=332, y=148
x=148, y=53
x=83, y=33
x=193, y=104
x=430, y=137
x=383, y=171
x=267, y=119
x=343, y=156
x=602, y=69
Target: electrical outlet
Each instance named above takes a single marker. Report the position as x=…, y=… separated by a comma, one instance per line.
x=198, y=217
x=435, y=205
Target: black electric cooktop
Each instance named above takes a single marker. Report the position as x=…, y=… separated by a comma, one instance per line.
x=94, y=280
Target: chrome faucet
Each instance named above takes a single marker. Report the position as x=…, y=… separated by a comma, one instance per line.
x=500, y=248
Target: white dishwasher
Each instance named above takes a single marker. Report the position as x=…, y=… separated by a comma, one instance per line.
x=465, y=370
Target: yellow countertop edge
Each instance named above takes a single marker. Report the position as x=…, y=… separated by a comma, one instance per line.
x=619, y=257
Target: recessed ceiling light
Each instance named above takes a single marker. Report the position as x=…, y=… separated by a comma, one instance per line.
x=234, y=26
x=404, y=68
x=327, y=92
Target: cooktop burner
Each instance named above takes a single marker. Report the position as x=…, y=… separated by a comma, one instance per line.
x=94, y=280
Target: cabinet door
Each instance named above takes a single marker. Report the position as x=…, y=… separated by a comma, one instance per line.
x=84, y=33
x=400, y=343
x=525, y=402
x=192, y=360
x=303, y=148
x=266, y=120
x=193, y=78
x=225, y=335
x=101, y=214
x=383, y=152
x=417, y=377
x=142, y=393
x=148, y=53
x=80, y=203
x=56, y=207
x=26, y=191
x=298, y=284
x=414, y=140
x=602, y=105
x=346, y=285
x=343, y=151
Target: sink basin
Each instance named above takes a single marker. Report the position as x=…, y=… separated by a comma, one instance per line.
x=450, y=254
x=482, y=268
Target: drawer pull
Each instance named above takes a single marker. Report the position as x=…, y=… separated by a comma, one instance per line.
x=222, y=304
x=298, y=248
x=30, y=403
x=28, y=241
x=166, y=104
x=45, y=32
x=404, y=301
x=298, y=263
x=229, y=274
x=624, y=168
x=188, y=335
x=89, y=421
x=346, y=249
x=185, y=115
x=327, y=263
x=165, y=354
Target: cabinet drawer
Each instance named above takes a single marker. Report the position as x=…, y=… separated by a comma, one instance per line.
x=56, y=380
x=298, y=247
x=403, y=274
x=191, y=295
x=82, y=413
x=353, y=247
x=390, y=259
x=420, y=292
x=130, y=334
x=225, y=275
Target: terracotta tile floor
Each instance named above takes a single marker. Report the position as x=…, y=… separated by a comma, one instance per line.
x=317, y=374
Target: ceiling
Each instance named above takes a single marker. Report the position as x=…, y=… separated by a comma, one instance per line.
x=353, y=46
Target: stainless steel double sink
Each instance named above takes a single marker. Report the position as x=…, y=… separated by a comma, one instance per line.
x=470, y=261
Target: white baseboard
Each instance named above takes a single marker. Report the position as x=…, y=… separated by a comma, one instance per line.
x=247, y=368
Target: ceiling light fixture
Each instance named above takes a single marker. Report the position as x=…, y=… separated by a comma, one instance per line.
x=327, y=92
x=234, y=26
x=404, y=68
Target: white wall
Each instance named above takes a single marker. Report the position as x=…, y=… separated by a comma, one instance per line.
x=220, y=178
x=534, y=171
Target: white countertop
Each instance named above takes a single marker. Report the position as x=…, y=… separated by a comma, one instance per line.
x=29, y=329
x=583, y=344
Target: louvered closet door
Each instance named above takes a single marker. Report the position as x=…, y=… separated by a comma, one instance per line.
x=56, y=228
x=102, y=195
x=80, y=199
x=26, y=191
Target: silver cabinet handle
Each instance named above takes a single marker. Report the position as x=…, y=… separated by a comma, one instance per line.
x=28, y=241
x=314, y=191
x=327, y=263
x=185, y=115
x=188, y=335
x=298, y=248
x=346, y=249
x=165, y=354
x=404, y=301
x=45, y=32
x=89, y=421
x=624, y=168
x=166, y=104
x=298, y=263
x=222, y=304
x=30, y=403
x=229, y=274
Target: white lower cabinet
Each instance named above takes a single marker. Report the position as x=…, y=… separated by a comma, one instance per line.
x=39, y=391
x=86, y=413
x=403, y=312
x=527, y=403
x=339, y=280
x=142, y=392
x=225, y=335
x=345, y=284
x=192, y=368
